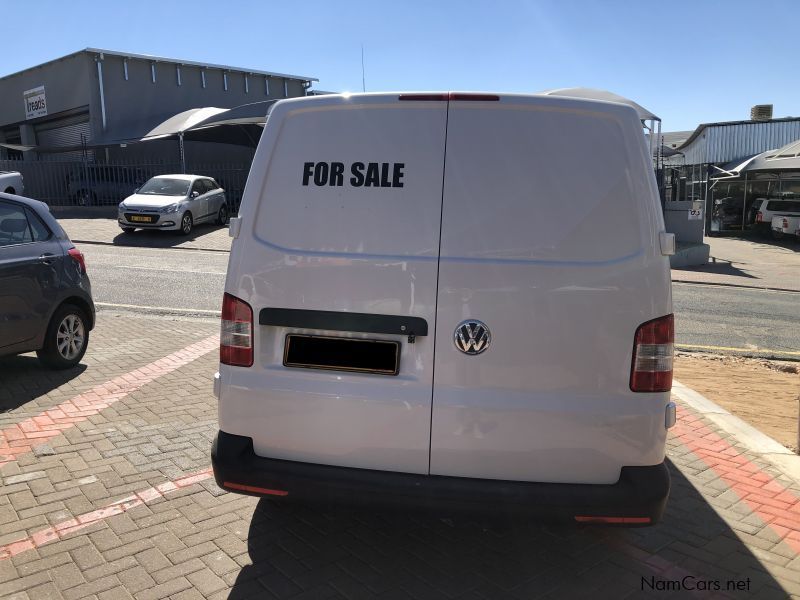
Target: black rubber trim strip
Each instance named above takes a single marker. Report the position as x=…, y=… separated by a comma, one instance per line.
x=343, y=321
x=639, y=492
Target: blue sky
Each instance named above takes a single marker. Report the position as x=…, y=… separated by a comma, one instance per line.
x=690, y=62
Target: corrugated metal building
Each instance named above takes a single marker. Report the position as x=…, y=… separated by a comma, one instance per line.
x=97, y=94
x=699, y=169
x=716, y=143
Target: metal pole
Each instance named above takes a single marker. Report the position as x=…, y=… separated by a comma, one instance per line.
x=744, y=197
x=183, y=154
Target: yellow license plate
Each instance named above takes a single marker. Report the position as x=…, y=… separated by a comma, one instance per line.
x=140, y=218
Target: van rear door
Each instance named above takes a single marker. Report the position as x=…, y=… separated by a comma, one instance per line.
x=339, y=239
x=550, y=221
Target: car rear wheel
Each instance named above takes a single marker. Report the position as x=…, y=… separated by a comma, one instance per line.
x=128, y=229
x=66, y=339
x=222, y=215
x=85, y=198
x=186, y=224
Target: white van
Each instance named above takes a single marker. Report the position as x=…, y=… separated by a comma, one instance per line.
x=403, y=320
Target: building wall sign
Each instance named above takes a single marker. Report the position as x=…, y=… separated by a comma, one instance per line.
x=35, y=102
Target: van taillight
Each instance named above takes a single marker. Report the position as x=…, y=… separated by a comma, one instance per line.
x=236, y=336
x=652, y=356
x=786, y=223
x=77, y=256
x=759, y=217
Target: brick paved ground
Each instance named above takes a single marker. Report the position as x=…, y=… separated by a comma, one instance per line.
x=106, y=231
x=120, y=504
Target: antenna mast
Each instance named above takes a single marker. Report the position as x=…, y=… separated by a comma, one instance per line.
x=363, y=81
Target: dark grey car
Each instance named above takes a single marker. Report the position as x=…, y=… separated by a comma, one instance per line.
x=45, y=296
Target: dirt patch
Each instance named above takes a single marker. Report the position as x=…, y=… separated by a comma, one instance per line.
x=765, y=393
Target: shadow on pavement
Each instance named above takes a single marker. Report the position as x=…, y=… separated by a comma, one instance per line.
x=23, y=378
x=719, y=268
x=333, y=553
x=788, y=242
x=145, y=238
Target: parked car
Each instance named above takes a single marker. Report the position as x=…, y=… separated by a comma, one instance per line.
x=45, y=295
x=728, y=213
x=785, y=225
x=100, y=184
x=174, y=203
x=362, y=245
x=12, y=182
x=768, y=208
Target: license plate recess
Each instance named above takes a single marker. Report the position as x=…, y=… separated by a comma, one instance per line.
x=354, y=355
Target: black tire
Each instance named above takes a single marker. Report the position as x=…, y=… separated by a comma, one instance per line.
x=128, y=229
x=187, y=223
x=85, y=198
x=10, y=190
x=66, y=339
x=222, y=215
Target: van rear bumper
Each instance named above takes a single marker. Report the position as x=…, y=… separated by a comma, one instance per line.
x=638, y=498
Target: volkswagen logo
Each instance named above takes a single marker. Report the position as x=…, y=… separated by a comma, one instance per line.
x=472, y=337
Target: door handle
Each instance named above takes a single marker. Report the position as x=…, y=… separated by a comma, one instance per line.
x=46, y=258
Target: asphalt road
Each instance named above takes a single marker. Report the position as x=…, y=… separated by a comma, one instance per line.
x=162, y=280
x=190, y=282
x=764, y=322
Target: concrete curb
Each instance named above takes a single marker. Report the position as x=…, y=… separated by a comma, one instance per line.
x=738, y=286
x=754, y=440
x=178, y=247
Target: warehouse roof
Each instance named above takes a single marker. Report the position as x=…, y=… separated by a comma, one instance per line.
x=176, y=61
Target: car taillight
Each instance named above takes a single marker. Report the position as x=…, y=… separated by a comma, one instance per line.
x=786, y=223
x=77, y=256
x=759, y=217
x=652, y=356
x=236, y=336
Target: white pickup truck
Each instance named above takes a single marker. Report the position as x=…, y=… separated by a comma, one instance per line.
x=785, y=225
x=11, y=182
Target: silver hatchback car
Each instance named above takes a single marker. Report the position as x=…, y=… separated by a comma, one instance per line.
x=174, y=203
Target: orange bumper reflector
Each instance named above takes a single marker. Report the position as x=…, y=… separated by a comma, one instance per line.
x=254, y=489
x=612, y=519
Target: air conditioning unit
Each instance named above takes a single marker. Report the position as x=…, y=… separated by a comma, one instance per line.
x=761, y=112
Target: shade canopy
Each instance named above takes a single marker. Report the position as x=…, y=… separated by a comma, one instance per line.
x=786, y=158
x=593, y=94
x=182, y=122
x=733, y=168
